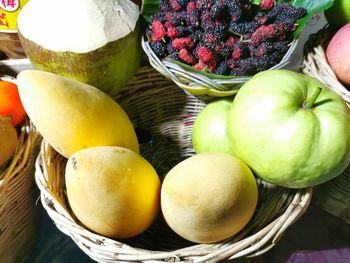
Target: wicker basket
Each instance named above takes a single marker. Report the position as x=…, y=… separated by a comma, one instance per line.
x=200, y=85
x=163, y=115
x=333, y=196
x=18, y=194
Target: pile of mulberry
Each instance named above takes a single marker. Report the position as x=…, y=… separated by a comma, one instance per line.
x=225, y=37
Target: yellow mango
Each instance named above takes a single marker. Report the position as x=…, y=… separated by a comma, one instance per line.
x=72, y=115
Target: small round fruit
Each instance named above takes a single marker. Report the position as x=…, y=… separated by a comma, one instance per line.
x=112, y=190
x=209, y=128
x=8, y=140
x=208, y=197
x=10, y=103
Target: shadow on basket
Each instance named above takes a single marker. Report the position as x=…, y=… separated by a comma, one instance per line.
x=163, y=115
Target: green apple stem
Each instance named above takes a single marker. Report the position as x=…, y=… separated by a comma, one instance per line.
x=309, y=103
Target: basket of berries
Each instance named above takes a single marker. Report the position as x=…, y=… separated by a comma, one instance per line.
x=210, y=48
x=324, y=60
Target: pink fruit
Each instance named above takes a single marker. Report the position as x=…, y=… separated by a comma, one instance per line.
x=338, y=54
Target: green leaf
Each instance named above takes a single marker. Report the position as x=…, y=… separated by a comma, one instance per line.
x=255, y=2
x=150, y=7
x=313, y=7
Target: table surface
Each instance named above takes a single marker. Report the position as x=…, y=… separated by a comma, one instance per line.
x=315, y=231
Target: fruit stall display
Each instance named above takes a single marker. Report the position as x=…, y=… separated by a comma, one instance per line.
x=134, y=165
x=19, y=145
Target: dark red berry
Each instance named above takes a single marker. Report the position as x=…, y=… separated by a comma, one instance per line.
x=267, y=4
x=231, y=41
x=171, y=30
x=262, y=34
x=212, y=65
x=180, y=43
x=259, y=52
x=200, y=66
x=237, y=54
x=232, y=64
x=158, y=31
x=175, y=5
x=191, y=6
x=187, y=57
x=204, y=54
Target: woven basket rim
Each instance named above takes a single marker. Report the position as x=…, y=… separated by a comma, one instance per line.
x=192, y=80
x=103, y=249
x=17, y=197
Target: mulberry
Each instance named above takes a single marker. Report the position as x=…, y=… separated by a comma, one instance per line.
x=159, y=49
x=180, y=43
x=261, y=18
x=204, y=54
x=223, y=68
x=267, y=4
x=235, y=10
x=262, y=34
x=243, y=28
x=158, y=31
x=285, y=11
x=187, y=57
x=218, y=9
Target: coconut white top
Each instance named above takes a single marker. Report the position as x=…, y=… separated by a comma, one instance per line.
x=77, y=25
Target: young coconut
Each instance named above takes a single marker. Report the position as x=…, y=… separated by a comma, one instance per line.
x=92, y=41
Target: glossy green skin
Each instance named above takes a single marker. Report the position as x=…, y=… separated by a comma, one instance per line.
x=281, y=141
x=108, y=68
x=209, y=128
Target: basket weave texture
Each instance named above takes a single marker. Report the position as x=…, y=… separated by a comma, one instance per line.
x=163, y=114
x=18, y=193
x=200, y=85
x=333, y=196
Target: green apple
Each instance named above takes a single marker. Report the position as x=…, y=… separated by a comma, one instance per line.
x=290, y=129
x=209, y=128
x=339, y=14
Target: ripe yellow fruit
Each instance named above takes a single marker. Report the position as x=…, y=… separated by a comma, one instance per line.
x=72, y=115
x=209, y=197
x=8, y=140
x=112, y=190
